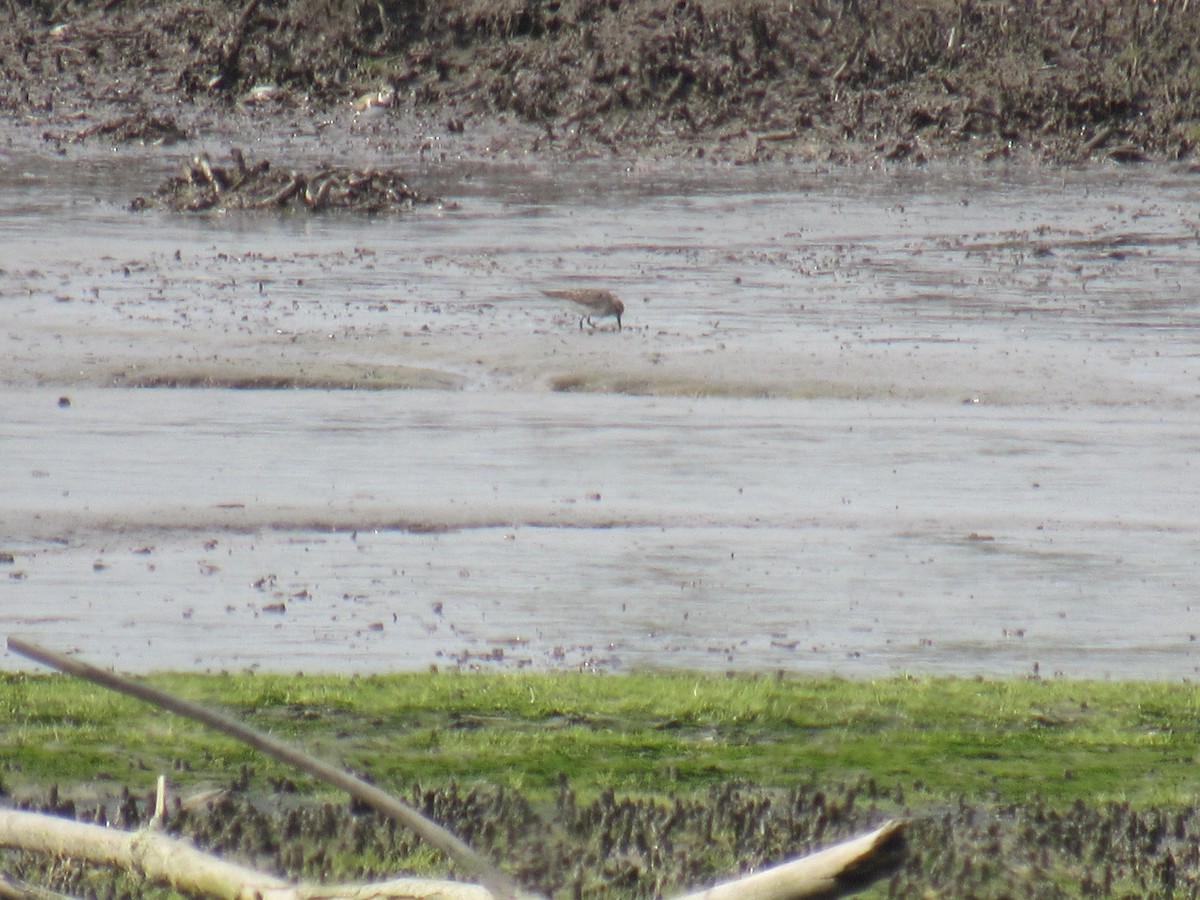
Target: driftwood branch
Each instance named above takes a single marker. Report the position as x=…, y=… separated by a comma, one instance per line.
x=836, y=871
x=167, y=860
x=435, y=835
x=159, y=858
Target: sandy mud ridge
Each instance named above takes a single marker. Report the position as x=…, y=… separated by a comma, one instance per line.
x=737, y=81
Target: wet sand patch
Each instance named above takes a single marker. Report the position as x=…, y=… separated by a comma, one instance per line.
x=817, y=397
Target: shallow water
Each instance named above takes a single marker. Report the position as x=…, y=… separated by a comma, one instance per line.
x=858, y=422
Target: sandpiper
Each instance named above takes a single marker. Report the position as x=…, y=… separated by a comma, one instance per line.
x=598, y=303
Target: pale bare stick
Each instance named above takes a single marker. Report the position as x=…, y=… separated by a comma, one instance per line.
x=154, y=855
x=836, y=871
x=435, y=835
x=159, y=858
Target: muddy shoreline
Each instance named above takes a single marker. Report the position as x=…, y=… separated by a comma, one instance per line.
x=726, y=82
x=866, y=373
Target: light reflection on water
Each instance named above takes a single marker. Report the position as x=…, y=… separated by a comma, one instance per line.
x=864, y=519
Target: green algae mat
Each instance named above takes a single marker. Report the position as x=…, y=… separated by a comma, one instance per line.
x=642, y=784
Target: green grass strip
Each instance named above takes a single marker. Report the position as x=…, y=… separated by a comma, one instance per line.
x=993, y=740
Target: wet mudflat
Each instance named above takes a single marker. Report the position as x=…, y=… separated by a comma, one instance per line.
x=936, y=420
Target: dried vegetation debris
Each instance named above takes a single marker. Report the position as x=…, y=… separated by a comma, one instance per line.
x=203, y=186
x=754, y=79
x=141, y=127
x=617, y=846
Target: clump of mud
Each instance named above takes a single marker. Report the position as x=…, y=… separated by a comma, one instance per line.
x=733, y=80
x=614, y=846
x=137, y=127
x=204, y=186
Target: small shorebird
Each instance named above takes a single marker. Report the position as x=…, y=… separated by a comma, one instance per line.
x=596, y=302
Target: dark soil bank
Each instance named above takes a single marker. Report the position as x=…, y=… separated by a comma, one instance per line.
x=809, y=79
